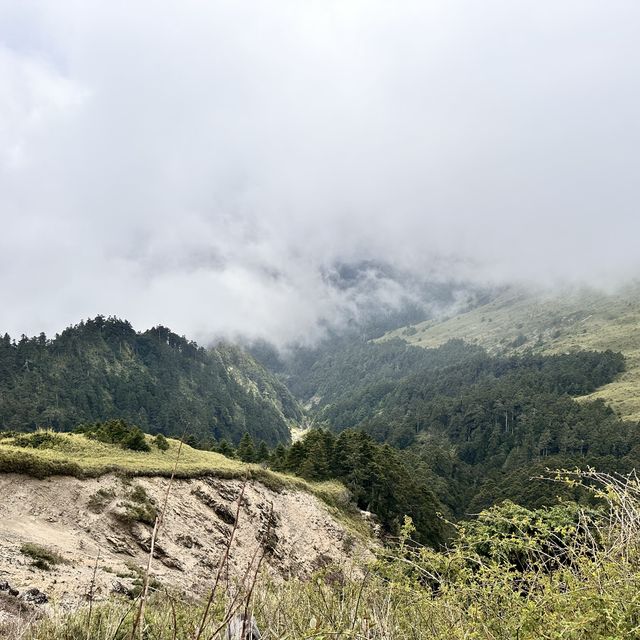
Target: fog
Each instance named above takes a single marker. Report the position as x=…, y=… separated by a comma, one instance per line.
x=209, y=165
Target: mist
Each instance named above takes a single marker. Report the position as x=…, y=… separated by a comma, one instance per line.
x=209, y=166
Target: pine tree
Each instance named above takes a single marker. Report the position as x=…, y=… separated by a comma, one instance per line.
x=246, y=449
x=262, y=455
x=225, y=449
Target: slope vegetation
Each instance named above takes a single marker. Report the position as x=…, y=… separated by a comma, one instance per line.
x=516, y=321
x=103, y=369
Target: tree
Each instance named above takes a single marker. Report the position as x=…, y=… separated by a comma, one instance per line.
x=262, y=455
x=161, y=442
x=246, y=448
x=226, y=449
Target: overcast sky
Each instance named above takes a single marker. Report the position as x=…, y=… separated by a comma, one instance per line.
x=205, y=164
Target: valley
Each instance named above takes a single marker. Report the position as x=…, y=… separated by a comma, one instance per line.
x=347, y=461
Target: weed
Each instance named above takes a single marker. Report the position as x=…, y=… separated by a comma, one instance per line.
x=42, y=557
x=39, y=440
x=100, y=500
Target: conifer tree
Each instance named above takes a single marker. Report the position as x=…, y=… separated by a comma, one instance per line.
x=246, y=449
x=262, y=454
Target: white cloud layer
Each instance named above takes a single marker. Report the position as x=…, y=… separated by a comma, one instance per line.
x=203, y=164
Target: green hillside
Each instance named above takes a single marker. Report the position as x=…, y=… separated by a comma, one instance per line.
x=516, y=321
x=102, y=369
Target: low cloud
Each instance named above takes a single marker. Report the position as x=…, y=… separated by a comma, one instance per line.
x=208, y=166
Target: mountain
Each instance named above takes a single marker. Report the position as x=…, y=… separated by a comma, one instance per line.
x=483, y=401
x=550, y=322
x=103, y=368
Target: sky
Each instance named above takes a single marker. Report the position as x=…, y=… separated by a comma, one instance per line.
x=209, y=165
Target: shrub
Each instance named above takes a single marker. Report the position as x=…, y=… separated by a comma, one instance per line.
x=116, y=432
x=39, y=440
x=139, y=508
x=42, y=557
x=161, y=442
x=99, y=501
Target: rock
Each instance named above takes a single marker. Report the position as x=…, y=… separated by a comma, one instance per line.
x=35, y=596
x=172, y=563
x=12, y=608
x=121, y=589
x=221, y=510
x=119, y=546
x=227, y=492
x=5, y=586
x=188, y=542
x=266, y=533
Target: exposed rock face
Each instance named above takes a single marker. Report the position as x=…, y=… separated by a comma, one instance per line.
x=293, y=529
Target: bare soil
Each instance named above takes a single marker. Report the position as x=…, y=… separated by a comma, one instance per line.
x=85, y=520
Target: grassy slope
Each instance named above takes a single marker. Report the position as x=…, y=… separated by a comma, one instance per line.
x=76, y=455
x=569, y=321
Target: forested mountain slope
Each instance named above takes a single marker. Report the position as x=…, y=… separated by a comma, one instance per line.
x=103, y=368
x=474, y=420
x=475, y=427
x=556, y=322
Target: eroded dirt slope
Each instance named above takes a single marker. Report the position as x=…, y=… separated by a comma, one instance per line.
x=79, y=519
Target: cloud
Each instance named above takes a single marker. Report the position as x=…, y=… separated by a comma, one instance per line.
x=205, y=165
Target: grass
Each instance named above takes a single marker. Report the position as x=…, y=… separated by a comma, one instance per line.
x=41, y=557
x=552, y=323
x=462, y=593
x=76, y=455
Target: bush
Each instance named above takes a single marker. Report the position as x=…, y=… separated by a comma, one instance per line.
x=116, y=432
x=99, y=501
x=39, y=440
x=161, y=442
x=140, y=508
x=42, y=557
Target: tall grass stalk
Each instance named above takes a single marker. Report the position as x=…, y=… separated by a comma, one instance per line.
x=139, y=620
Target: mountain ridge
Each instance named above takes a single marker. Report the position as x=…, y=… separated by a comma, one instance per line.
x=102, y=368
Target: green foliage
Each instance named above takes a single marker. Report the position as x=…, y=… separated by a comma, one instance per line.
x=262, y=452
x=476, y=428
x=338, y=368
x=39, y=440
x=42, y=557
x=225, y=448
x=116, y=432
x=379, y=478
x=530, y=540
x=246, y=449
x=139, y=507
x=101, y=369
x=161, y=442
x=100, y=500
